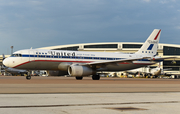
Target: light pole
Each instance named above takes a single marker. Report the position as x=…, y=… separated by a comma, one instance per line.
x=11, y=50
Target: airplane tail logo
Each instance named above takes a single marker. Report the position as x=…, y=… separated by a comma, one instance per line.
x=151, y=44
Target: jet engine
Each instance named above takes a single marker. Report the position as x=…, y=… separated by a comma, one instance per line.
x=76, y=70
x=64, y=66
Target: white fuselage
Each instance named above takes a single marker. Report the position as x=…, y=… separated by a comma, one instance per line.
x=79, y=63
x=35, y=59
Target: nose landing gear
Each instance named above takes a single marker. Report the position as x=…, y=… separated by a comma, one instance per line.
x=28, y=77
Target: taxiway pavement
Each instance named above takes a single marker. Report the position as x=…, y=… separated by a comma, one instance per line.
x=65, y=95
x=18, y=84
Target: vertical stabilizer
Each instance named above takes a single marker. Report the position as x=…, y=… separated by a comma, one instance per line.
x=3, y=56
x=151, y=44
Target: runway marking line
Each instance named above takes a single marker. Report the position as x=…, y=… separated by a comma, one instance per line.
x=36, y=106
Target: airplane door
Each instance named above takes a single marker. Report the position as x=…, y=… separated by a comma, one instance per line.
x=32, y=55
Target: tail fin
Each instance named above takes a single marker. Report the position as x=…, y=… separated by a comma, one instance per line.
x=151, y=44
x=3, y=56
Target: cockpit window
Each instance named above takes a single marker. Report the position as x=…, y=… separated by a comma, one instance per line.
x=16, y=55
x=13, y=55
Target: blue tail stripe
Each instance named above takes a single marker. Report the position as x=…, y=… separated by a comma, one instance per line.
x=150, y=47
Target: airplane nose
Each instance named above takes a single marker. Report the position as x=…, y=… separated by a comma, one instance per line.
x=6, y=62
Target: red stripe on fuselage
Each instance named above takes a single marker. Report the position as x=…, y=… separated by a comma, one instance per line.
x=21, y=64
x=143, y=63
x=75, y=62
x=137, y=63
x=157, y=35
x=52, y=61
x=124, y=63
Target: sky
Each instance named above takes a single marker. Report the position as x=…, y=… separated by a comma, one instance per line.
x=42, y=23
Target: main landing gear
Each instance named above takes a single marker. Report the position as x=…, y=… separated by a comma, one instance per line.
x=79, y=77
x=96, y=77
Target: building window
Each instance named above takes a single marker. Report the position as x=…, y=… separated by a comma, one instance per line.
x=171, y=63
x=172, y=68
x=171, y=50
x=101, y=46
x=75, y=48
x=132, y=45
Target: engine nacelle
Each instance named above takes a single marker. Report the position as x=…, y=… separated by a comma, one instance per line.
x=75, y=70
x=64, y=66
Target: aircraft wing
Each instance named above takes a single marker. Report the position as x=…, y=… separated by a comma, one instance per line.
x=163, y=58
x=113, y=61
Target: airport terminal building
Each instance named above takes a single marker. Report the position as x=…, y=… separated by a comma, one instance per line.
x=164, y=50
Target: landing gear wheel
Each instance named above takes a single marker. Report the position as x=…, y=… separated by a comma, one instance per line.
x=155, y=76
x=149, y=75
x=95, y=77
x=28, y=77
x=79, y=78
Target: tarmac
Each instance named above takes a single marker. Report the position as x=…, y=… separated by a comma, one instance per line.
x=66, y=95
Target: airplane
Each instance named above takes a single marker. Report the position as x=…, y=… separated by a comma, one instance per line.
x=146, y=71
x=14, y=71
x=80, y=63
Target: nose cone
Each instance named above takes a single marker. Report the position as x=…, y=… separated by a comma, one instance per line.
x=6, y=62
